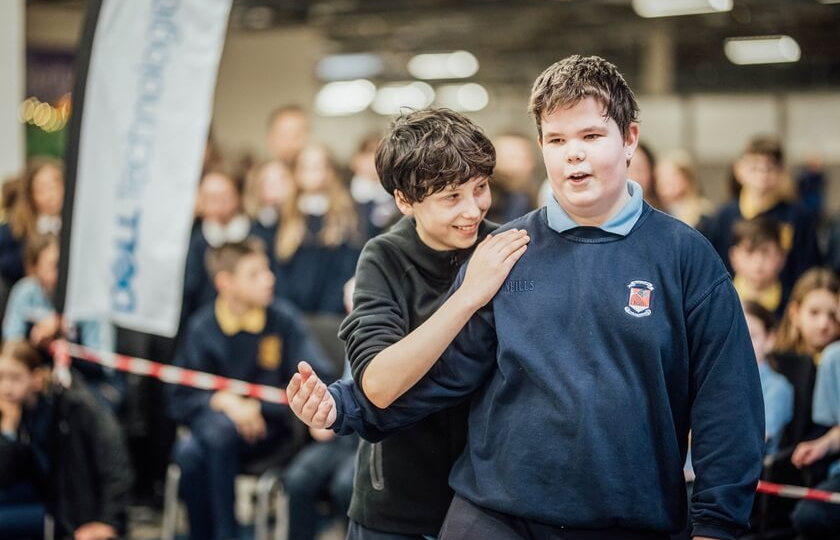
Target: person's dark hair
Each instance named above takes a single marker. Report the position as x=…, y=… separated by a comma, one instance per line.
x=426, y=151
x=225, y=257
x=766, y=145
x=761, y=313
x=34, y=246
x=751, y=233
x=25, y=353
x=576, y=77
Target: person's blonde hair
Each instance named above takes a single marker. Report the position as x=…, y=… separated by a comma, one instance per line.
x=340, y=222
x=789, y=336
x=23, y=215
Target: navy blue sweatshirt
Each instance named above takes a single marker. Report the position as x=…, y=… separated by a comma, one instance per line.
x=268, y=357
x=587, y=370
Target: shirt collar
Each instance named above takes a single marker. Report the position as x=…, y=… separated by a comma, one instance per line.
x=621, y=223
x=253, y=321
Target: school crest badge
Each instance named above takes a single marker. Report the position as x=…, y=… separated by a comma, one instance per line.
x=640, y=294
x=270, y=353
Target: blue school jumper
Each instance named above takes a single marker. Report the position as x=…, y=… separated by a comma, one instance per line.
x=799, y=237
x=11, y=255
x=587, y=370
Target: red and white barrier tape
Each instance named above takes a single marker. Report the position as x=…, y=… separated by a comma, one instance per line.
x=63, y=351
x=796, y=492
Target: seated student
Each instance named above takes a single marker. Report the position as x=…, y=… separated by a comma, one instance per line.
x=375, y=206
x=36, y=210
x=220, y=219
x=437, y=165
x=244, y=335
x=816, y=519
x=759, y=172
x=757, y=258
x=317, y=242
x=268, y=188
x=325, y=467
x=777, y=391
x=30, y=315
x=63, y=442
x=615, y=332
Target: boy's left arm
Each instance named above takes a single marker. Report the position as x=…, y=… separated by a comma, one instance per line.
x=727, y=415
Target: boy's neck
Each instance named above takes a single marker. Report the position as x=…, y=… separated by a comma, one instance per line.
x=237, y=307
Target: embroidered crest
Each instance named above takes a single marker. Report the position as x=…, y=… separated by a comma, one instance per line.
x=639, y=303
x=270, y=353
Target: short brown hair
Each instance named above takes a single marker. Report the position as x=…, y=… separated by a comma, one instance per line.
x=766, y=145
x=761, y=313
x=24, y=353
x=35, y=245
x=426, y=151
x=225, y=257
x=751, y=233
x=577, y=77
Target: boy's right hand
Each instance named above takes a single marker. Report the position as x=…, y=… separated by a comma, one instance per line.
x=491, y=263
x=309, y=398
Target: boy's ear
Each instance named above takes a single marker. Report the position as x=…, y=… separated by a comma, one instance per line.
x=222, y=280
x=402, y=203
x=631, y=140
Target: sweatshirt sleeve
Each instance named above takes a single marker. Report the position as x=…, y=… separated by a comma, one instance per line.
x=377, y=320
x=727, y=416
x=114, y=470
x=461, y=369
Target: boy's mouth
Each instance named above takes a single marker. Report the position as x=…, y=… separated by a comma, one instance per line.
x=467, y=228
x=577, y=177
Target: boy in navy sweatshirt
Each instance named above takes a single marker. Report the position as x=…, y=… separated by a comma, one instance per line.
x=616, y=332
x=248, y=336
x=437, y=164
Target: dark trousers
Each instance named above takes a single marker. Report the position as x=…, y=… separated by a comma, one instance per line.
x=209, y=459
x=319, y=469
x=814, y=519
x=360, y=532
x=467, y=521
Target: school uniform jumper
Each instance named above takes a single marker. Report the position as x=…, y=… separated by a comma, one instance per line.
x=263, y=348
x=587, y=370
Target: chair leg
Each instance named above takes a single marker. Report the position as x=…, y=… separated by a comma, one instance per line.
x=170, y=503
x=49, y=527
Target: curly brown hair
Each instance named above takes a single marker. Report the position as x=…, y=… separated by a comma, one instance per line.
x=426, y=151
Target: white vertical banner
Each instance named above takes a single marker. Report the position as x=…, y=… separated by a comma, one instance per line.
x=147, y=103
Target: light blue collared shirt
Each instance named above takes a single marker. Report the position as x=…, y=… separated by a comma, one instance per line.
x=826, y=402
x=778, y=405
x=620, y=224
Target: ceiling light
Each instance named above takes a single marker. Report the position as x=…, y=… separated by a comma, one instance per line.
x=390, y=99
x=452, y=65
x=670, y=8
x=343, y=67
x=761, y=50
x=462, y=97
x=346, y=97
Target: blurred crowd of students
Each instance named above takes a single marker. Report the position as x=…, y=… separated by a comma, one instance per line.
x=276, y=244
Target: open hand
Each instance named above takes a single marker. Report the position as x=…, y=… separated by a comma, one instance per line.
x=309, y=398
x=491, y=263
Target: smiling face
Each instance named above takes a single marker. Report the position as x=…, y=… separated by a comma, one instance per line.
x=449, y=219
x=586, y=157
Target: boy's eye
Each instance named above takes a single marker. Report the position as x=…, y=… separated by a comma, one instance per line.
x=480, y=187
x=591, y=136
